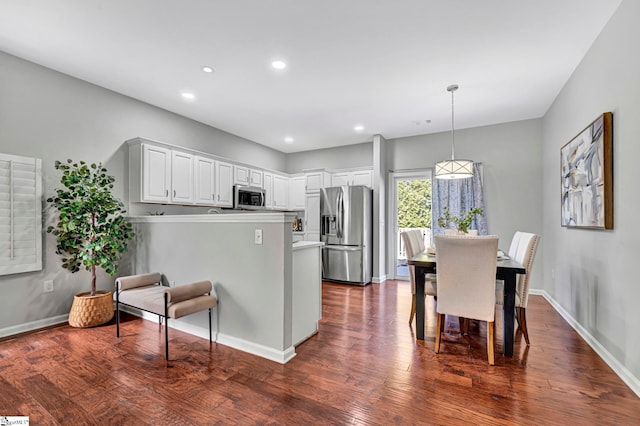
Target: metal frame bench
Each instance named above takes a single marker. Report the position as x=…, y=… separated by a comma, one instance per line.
x=146, y=292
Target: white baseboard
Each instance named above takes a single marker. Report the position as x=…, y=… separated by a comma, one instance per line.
x=380, y=279
x=281, y=357
x=622, y=372
x=34, y=325
x=271, y=354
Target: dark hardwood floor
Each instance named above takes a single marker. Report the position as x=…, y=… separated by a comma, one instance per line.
x=363, y=367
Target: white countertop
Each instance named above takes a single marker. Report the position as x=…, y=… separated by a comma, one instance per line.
x=299, y=245
x=245, y=217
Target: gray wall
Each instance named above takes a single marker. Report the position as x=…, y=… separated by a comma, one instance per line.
x=591, y=274
x=344, y=157
x=511, y=155
x=253, y=282
x=52, y=116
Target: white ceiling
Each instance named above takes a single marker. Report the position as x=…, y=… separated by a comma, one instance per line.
x=384, y=64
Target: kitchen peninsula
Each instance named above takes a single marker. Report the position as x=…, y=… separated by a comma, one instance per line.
x=269, y=289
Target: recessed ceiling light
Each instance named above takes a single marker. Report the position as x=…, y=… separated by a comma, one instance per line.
x=358, y=128
x=188, y=95
x=288, y=139
x=279, y=65
x=207, y=69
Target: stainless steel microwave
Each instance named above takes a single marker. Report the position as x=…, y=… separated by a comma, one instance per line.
x=248, y=198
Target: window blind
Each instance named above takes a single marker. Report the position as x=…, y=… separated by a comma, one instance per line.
x=20, y=214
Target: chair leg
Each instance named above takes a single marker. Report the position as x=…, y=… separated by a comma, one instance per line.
x=210, y=339
x=490, y=342
x=166, y=327
x=413, y=309
x=522, y=319
x=439, y=323
x=117, y=313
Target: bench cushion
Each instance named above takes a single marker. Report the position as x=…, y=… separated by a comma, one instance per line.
x=182, y=300
x=125, y=283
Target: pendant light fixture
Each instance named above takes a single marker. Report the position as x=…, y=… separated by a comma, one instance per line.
x=453, y=169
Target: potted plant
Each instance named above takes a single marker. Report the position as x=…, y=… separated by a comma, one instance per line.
x=91, y=232
x=462, y=223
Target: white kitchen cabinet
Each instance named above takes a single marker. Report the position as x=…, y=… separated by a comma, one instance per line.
x=243, y=175
x=152, y=173
x=255, y=178
x=363, y=177
x=312, y=217
x=267, y=185
x=297, y=192
x=316, y=180
x=182, y=186
x=240, y=175
x=204, y=179
x=341, y=179
x=280, y=192
x=358, y=177
x=224, y=184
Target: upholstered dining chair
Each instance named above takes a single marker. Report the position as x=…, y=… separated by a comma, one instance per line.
x=523, y=250
x=466, y=278
x=414, y=243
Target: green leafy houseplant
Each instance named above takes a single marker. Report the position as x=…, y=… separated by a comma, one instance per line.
x=463, y=222
x=92, y=230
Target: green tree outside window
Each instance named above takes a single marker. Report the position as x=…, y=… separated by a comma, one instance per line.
x=414, y=204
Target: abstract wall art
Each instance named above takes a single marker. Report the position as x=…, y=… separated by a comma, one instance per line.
x=587, y=176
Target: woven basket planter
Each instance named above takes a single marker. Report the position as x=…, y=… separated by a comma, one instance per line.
x=89, y=311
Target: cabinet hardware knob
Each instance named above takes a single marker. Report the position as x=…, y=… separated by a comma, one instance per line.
x=174, y=193
x=166, y=192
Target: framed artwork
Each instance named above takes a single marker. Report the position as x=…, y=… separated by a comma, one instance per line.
x=586, y=163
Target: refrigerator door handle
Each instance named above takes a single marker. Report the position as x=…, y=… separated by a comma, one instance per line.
x=343, y=248
x=339, y=213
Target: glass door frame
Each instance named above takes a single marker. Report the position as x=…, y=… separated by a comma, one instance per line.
x=392, y=214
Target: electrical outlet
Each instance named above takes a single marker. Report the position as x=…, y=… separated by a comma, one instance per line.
x=172, y=283
x=258, y=236
x=48, y=286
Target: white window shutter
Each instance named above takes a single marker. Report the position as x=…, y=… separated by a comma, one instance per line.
x=20, y=214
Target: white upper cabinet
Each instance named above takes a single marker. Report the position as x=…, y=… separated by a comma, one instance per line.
x=280, y=192
x=182, y=187
x=358, y=177
x=224, y=184
x=297, y=192
x=363, y=177
x=255, y=178
x=240, y=175
x=243, y=175
x=340, y=179
x=156, y=174
x=317, y=180
x=204, y=177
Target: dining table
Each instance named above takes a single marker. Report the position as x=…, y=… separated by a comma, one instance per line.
x=507, y=270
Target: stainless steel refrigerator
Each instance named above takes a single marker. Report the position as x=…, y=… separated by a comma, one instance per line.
x=346, y=229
